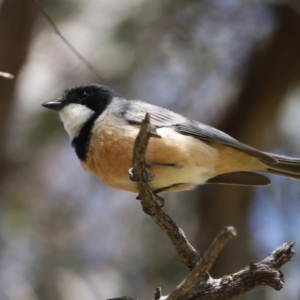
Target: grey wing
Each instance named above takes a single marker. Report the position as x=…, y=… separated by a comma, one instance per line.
x=134, y=113
x=210, y=134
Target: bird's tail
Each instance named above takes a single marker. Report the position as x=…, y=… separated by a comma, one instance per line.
x=286, y=166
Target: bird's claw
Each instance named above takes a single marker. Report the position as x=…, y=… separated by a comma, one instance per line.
x=147, y=210
x=131, y=175
x=153, y=132
x=160, y=201
x=148, y=174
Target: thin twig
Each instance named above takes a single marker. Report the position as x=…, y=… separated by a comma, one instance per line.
x=7, y=75
x=205, y=263
x=69, y=45
x=149, y=201
x=265, y=273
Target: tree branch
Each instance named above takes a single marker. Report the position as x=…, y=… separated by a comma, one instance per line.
x=151, y=203
x=69, y=45
x=205, y=263
x=266, y=273
x=199, y=285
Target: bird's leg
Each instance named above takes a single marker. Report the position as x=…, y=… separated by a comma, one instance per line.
x=159, y=202
x=149, y=176
x=153, y=132
x=146, y=175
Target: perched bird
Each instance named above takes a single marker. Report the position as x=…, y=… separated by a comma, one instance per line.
x=103, y=126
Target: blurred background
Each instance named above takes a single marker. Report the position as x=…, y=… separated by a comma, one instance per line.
x=232, y=64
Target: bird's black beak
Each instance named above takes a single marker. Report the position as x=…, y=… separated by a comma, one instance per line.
x=55, y=105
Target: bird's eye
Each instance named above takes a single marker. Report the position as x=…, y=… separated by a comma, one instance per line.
x=84, y=96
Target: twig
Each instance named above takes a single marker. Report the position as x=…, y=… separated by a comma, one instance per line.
x=7, y=75
x=205, y=263
x=69, y=45
x=186, y=251
x=265, y=273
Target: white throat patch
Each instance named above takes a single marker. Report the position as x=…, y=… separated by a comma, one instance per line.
x=74, y=116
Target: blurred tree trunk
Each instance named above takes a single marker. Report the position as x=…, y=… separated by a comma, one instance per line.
x=272, y=72
x=15, y=26
x=16, y=18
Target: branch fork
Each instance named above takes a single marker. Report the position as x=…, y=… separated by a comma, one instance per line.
x=199, y=285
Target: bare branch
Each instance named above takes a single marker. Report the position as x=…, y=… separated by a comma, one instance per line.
x=263, y=273
x=151, y=203
x=205, y=263
x=199, y=285
x=69, y=45
x=7, y=75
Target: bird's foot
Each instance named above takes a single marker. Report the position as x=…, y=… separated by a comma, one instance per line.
x=149, y=176
x=159, y=202
x=153, y=132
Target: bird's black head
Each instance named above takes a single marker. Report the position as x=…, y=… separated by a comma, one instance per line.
x=80, y=106
x=94, y=96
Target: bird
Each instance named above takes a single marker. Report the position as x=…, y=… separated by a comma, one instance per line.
x=103, y=126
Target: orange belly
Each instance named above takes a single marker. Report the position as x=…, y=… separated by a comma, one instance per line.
x=110, y=158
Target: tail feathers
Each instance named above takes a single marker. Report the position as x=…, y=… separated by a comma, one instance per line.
x=281, y=173
x=286, y=166
x=241, y=178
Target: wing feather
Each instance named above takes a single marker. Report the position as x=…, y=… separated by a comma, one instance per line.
x=212, y=135
x=134, y=112
x=241, y=178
